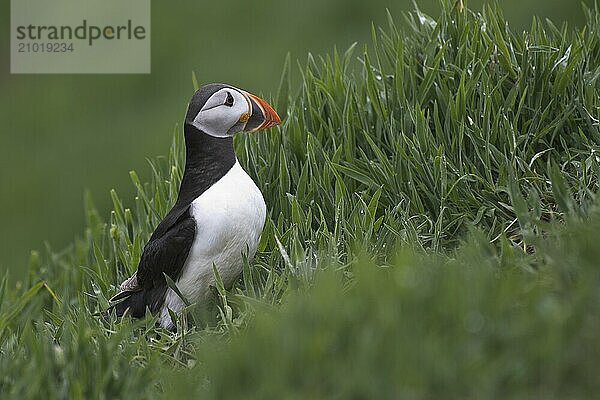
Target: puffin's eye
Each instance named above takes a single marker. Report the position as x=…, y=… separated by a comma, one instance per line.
x=229, y=100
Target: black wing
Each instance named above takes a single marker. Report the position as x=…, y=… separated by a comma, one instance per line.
x=165, y=253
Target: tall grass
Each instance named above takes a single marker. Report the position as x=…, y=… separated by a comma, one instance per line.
x=439, y=128
x=480, y=325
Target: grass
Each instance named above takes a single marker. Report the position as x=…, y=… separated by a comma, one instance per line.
x=431, y=233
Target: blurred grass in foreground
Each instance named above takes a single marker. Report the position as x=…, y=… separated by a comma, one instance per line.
x=456, y=143
x=483, y=324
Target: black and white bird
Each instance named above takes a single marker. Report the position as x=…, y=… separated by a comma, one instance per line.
x=219, y=213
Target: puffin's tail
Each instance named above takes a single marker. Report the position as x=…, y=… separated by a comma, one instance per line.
x=132, y=303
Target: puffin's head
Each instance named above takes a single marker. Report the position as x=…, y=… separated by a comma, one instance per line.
x=221, y=110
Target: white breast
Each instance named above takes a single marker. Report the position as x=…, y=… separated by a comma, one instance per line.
x=229, y=216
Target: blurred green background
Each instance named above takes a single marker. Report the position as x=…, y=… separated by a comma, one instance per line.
x=63, y=134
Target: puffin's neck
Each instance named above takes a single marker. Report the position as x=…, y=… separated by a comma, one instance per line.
x=207, y=159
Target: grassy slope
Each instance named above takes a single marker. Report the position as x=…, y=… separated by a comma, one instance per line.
x=444, y=126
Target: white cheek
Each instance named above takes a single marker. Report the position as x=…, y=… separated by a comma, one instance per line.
x=216, y=121
x=239, y=108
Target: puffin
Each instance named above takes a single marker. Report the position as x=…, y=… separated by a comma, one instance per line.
x=218, y=216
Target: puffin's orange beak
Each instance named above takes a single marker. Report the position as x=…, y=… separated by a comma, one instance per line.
x=263, y=116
